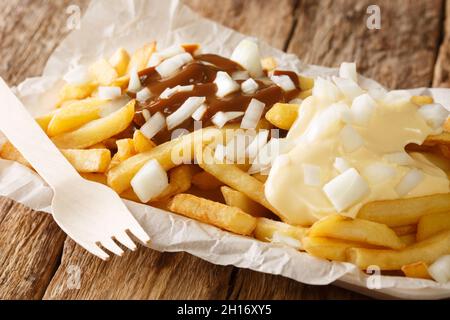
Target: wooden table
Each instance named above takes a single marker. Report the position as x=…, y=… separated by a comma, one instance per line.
x=37, y=260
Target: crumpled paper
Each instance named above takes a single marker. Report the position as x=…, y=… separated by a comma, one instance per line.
x=130, y=24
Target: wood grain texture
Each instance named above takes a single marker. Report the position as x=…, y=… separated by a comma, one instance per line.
x=401, y=54
x=442, y=67
x=30, y=248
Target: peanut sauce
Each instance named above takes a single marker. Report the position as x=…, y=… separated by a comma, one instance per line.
x=201, y=73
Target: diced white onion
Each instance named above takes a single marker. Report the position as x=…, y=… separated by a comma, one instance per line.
x=400, y=158
x=434, y=114
x=409, y=182
x=348, y=71
x=219, y=153
x=150, y=181
x=169, y=92
x=284, y=82
x=248, y=56
x=397, y=98
x=170, y=66
x=109, y=93
x=346, y=190
x=153, y=126
x=257, y=144
x=296, y=101
x=77, y=76
x=379, y=173
x=184, y=112
x=281, y=238
x=135, y=83
x=312, y=175
x=440, y=269
x=225, y=84
x=348, y=87
x=325, y=90
x=200, y=112
x=249, y=86
x=222, y=118
x=341, y=165
x=146, y=114
x=350, y=138
x=253, y=114
x=143, y=95
x=362, y=110
x=240, y=75
x=160, y=56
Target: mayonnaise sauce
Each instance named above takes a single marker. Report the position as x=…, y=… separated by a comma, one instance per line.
x=317, y=138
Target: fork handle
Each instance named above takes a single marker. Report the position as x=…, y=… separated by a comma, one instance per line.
x=28, y=137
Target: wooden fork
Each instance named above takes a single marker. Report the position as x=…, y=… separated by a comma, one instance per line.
x=92, y=214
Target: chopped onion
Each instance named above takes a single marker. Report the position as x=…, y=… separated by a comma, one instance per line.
x=184, y=112
x=311, y=175
x=349, y=88
x=346, y=190
x=351, y=140
x=200, y=112
x=77, y=76
x=160, y=56
x=240, y=75
x=249, y=86
x=281, y=238
x=170, y=66
x=222, y=118
x=225, y=84
x=400, y=158
x=348, y=71
x=154, y=125
x=219, y=153
x=150, y=181
x=440, y=269
x=362, y=110
x=169, y=92
x=296, y=101
x=397, y=97
x=146, y=114
x=143, y=95
x=247, y=55
x=325, y=90
x=341, y=165
x=135, y=83
x=109, y=93
x=409, y=182
x=236, y=148
x=284, y=82
x=257, y=144
x=253, y=114
x=378, y=173
x=434, y=114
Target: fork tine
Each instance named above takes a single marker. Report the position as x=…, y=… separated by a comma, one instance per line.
x=110, y=245
x=94, y=249
x=124, y=239
x=139, y=233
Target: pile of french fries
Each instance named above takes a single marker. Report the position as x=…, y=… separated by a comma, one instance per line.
x=406, y=234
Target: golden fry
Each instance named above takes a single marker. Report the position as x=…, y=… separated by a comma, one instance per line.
x=416, y=270
x=305, y=94
x=9, y=152
x=269, y=63
x=239, y=200
x=447, y=125
x=266, y=228
x=260, y=177
x=88, y=161
x=408, y=239
x=76, y=92
x=95, y=177
x=97, y=130
x=405, y=230
x=142, y=143
x=103, y=72
x=44, y=121
x=205, y=181
x=440, y=139
x=125, y=149
x=356, y=230
x=283, y=115
x=422, y=100
x=427, y=251
x=431, y=224
x=217, y=214
x=140, y=58
x=330, y=249
x=401, y=212
x=306, y=83
x=180, y=181
x=120, y=61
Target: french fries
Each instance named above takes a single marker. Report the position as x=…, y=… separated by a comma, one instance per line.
x=306, y=83
x=408, y=239
x=76, y=92
x=9, y=152
x=142, y=143
x=283, y=115
x=73, y=116
x=166, y=154
x=95, y=177
x=239, y=200
x=119, y=61
x=217, y=214
x=269, y=63
x=441, y=139
x=431, y=224
x=416, y=270
x=305, y=94
x=447, y=125
x=405, y=230
x=44, y=121
x=88, y=161
x=329, y=249
x=422, y=100
x=125, y=149
x=97, y=130
x=103, y=72
x=232, y=176
x=140, y=58
x=356, y=230
x=401, y=212
x=266, y=228
x=427, y=251
x=205, y=181
x=179, y=182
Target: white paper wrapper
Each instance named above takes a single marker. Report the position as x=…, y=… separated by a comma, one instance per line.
x=130, y=24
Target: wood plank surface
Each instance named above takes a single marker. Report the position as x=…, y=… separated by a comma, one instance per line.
x=401, y=54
